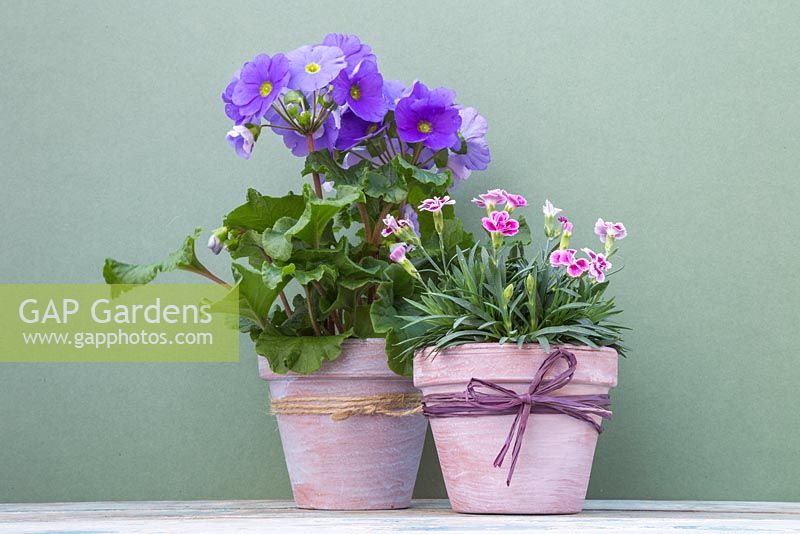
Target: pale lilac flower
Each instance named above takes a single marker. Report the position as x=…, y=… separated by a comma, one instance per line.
x=599, y=265
x=242, y=140
x=394, y=226
x=471, y=152
x=327, y=186
x=314, y=67
x=354, y=50
x=549, y=210
x=515, y=201
x=411, y=216
x=562, y=258
x=393, y=91
x=605, y=229
x=398, y=252
x=491, y=199
x=215, y=244
x=435, y=204
x=499, y=222
x=259, y=83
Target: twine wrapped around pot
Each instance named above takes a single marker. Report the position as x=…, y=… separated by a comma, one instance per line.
x=341, y=408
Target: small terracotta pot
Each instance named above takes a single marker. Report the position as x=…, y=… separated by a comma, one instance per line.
x=552, y=473
x=365, y=462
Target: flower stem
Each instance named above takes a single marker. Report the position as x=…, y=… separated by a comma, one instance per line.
x=211, y=276
x=362, y=209
x=311, y=315
x=317, y=182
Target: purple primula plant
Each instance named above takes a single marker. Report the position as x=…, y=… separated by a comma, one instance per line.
x=374, y=149
x=498, y=291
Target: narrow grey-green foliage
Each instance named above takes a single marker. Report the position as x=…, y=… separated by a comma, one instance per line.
x=502, y=296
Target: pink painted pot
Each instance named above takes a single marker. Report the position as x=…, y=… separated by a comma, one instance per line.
x=555, y=460
x=365, y=462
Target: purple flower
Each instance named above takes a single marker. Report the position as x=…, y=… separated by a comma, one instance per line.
x=435, y=204
x=428, y=116
x=362, y=91
x=549, y=210
x=260, y=82
x=566, y=225
x=324, y=137
x=354, y=50
x=500, y=222
x=231, y=109
x=398, y=252
x=471, y=152
x=393, y=91
x=354, y=130
x=242, y=140
x=562, y=258
x=605, y=230
x=326, y=185
x=491, y=199
x=599, y=265
x=314, y=67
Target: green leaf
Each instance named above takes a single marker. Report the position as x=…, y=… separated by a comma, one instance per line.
x=260, y=212
x=117, y=272
x=319, y=212
x=322, y=162
x=303, y=354
x=385, y=183
x=314, y=275
x=254, y=297
x=409, y=171
x=274, y=275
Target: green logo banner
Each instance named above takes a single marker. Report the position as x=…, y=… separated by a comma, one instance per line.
x=102, y=323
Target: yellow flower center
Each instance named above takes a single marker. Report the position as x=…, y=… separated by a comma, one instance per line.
x=355, y=92
x=424, y=127
x=265, y=89
x=372, y=128
x=313, y=68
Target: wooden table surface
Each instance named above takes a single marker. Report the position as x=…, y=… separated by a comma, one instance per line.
x=425, y=515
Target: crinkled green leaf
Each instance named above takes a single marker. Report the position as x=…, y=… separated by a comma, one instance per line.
x=117, y=272
x=385, y=183
x=254, y=297
x=322, y=162
x=319, y=212
x=275, y=276
x=302, y=354
x=260, y=212
x=409, y=171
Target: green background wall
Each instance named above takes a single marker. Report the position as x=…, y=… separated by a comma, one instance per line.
x=681, y=119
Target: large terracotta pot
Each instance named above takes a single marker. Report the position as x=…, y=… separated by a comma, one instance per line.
x=365, y=462
x=555, y=460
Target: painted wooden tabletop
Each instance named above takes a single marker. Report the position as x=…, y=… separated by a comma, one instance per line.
x=425, y=515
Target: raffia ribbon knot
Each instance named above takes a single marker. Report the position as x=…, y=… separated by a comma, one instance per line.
x=341, y=408
x=486, y=398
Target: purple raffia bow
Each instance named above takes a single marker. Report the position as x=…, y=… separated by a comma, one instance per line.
x=486, y=398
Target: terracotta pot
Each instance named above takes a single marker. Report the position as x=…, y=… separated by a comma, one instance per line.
x=365, y=462
x=555, y=460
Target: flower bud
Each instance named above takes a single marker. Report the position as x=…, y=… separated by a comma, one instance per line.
x=293, y=97
x=508, y=292
x=530, y=284
x=292, y=109
x=216, y=242
x=438, y=221
x=304, y=118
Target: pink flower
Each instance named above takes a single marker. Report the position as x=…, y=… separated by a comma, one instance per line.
x=566, y=225
x=398, y=252
x=394, y=226
x=566, y=258
x=549, y=210
x=500, y=222
x=490, y=199
x=599, y=265
x=435, y=204
x=578, y=267
x=563, y=258
x=515, y=201
x=605, y=230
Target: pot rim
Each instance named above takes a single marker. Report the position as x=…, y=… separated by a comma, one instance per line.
x=595, y=366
